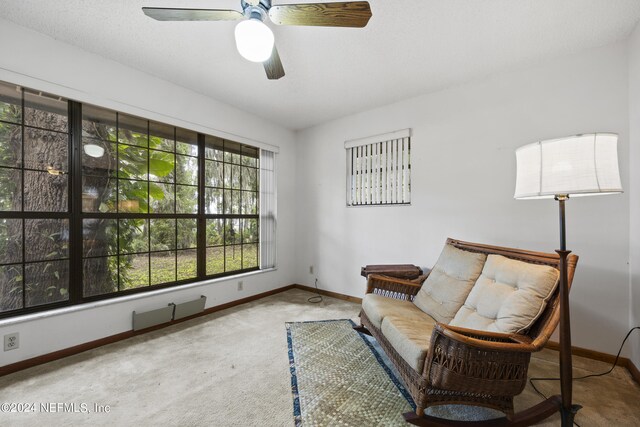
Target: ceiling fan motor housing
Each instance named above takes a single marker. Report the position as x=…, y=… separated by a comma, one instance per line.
x=256, y=9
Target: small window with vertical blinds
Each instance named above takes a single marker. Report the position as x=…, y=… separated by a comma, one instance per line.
x=379, y=169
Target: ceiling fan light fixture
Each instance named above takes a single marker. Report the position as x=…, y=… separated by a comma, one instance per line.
x=254, y=40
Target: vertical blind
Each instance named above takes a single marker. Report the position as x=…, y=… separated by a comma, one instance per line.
x=267, y=209
x=379, y=169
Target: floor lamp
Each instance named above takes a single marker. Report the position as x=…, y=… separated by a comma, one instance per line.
x=580, y=165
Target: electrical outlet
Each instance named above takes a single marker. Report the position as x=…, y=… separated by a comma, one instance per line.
x=11, y=341
x=240, y=285
x=311, y=269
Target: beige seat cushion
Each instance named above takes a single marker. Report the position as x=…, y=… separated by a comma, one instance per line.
x=377, y=307
x=449, y=283
x=410, y=336
x=508, y=297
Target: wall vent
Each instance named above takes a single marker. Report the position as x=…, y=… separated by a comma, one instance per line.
x=189, y=308
x=152, y=318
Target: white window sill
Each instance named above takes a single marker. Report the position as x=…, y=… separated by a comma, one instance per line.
x=118, y=300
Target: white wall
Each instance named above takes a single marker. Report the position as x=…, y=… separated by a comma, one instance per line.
x=463, y=176
x=634, y=177
x=34, y=60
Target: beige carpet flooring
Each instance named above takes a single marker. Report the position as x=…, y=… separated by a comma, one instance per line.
x=231, y=369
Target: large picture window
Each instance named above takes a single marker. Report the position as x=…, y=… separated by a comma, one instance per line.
x=140, y=205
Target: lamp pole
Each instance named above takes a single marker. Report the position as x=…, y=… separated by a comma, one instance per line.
x=568, y=410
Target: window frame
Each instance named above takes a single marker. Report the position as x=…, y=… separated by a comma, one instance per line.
x=224, y=216
x=76, y=217
x=25, y=215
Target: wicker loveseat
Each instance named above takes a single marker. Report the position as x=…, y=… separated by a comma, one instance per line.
x=440, y=360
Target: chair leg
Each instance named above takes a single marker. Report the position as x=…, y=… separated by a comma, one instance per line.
x=509, y=415
x=415, y=418
x=361, y=329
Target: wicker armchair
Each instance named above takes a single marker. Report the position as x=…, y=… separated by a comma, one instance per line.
x=465, y=366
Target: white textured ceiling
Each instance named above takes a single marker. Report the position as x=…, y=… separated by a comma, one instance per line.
x=408, y=48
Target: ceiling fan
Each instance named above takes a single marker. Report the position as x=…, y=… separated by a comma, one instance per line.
x=254, y=38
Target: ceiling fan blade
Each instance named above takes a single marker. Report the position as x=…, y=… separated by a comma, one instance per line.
x=273, y=65
x=175, y=14
x=342, y=14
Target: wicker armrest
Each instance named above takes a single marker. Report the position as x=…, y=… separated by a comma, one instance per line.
x=480, y=362
x=401, y=271
x=393, y=287
x=487, y=340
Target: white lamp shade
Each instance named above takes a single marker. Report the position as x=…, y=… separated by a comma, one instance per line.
x=254, y=40
x=581, y=165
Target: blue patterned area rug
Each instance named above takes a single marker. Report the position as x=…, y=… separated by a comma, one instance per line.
x=341, y=377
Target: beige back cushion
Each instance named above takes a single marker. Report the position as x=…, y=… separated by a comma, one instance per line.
x=449, y=283
x=508, y=297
